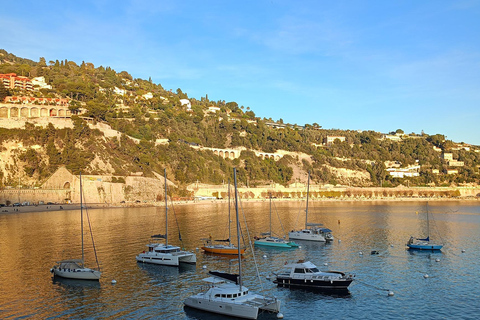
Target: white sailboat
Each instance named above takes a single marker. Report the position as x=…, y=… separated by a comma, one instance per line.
x=163, y=253
x=226, y=294
x=75, y=268
x=312, y=231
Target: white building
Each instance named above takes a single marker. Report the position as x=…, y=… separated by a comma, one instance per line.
x=187, y=103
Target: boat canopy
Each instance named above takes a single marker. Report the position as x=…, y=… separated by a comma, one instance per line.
x=227, y=276
x=159, y=236
x=213, y=280
x=265, y=233
x=325, y=230
x=222, y=240
x=426, y=239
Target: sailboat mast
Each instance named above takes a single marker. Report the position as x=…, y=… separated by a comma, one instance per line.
x=81, y=217
x=229, y=222
x=428, y=224
x=166, y=206
x=238, y=230
x=308, y=192
x=270, y=215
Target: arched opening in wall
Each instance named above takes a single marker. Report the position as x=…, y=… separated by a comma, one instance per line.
x=61, y=112
x=215, y=152
x=14, y=112
x=232, y=155
x=220, y=154
x=66, y=185
x=34, y=112
x=43, y=112
x=68, y=113
x=3, y=112
x=53, y=112
x=24, y=112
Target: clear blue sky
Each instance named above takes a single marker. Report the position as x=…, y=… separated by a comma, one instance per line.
x=367, y=65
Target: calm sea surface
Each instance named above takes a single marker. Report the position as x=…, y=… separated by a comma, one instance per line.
x=30, y=243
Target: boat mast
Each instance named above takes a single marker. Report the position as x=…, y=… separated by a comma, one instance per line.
x=81, y=217
x=308, y=191
x=270, y=215
x=229, y=222
x=428, y=225
x=238, y=230
x=166, y=206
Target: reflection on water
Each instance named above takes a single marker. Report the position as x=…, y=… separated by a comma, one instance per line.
x=30, y=243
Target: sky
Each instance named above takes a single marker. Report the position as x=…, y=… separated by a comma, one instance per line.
x=350, y=65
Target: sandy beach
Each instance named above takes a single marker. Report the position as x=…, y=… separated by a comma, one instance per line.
x=76, y=206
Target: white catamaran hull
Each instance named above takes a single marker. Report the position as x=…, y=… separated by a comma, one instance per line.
x=167, y=259
x=222, y=307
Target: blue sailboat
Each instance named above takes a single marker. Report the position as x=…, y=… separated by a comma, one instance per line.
x=424, y=243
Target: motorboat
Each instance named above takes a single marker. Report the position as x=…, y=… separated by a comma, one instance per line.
x=306, y=275
x=312, y=231
x=163, y=253
x=75, y=268
x=225, y=293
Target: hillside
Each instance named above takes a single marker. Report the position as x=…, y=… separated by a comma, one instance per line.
x=99, y=121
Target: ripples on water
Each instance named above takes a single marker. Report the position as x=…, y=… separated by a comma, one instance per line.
x=30, y=243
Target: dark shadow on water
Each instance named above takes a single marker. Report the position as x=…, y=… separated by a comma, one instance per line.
x=309, y=294
x=221, y=256
x=166, y=273
x=73, y=283
x=195, y=314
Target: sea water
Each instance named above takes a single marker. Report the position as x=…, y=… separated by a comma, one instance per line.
x=425, y=285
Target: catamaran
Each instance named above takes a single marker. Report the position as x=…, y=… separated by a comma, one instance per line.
x=226, y=294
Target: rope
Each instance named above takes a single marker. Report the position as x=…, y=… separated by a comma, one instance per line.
x=279, y=220
x=176, y=221
x=251, y=247
x=91, y=234
x=371, y=285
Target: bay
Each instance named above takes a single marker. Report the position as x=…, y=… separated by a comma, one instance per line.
x=30, y=243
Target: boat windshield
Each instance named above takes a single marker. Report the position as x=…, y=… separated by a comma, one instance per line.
x=299, y=270
x=312, y=270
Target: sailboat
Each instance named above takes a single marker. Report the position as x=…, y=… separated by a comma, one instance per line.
x=425, y=243
x=75, y=268
x=268, y=240
x=312, y=231
x=165, y=254
x=219, y=248
x=226, y=294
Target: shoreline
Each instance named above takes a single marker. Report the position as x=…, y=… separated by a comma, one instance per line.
x=93, y=206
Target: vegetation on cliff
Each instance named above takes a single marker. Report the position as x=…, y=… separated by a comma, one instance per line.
x=146, y=111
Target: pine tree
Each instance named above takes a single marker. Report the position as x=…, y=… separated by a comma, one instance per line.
x=3, y=92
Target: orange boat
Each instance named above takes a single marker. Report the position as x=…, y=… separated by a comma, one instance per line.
x=209, y=245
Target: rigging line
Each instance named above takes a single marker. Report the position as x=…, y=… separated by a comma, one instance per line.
x=279, y=220
x=251, y=247
x=176, y=221
x=91, y=234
